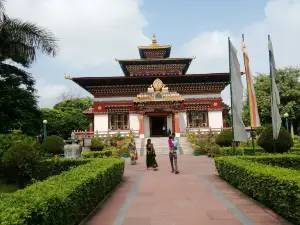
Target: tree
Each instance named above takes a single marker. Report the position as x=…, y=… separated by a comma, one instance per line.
x=67, y=116
x=20, y=42
x=74, y=104
x=288, y=83
x=18, y=101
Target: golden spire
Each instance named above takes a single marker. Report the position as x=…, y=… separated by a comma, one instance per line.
x=154, y=41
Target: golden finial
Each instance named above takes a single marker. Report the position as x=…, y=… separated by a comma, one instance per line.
x=154, y=41
x=194, y=57
x=67, y=77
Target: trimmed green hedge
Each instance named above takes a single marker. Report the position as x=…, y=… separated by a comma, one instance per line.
x=50, y=167
x=295, y=150
x=281, y=160
x=229, y=151
x=41, y=170
x=278, y=188
x=97, y=154
x=64, y=199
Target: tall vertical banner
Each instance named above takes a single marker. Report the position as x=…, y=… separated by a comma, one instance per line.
x=275, y=98
x=253, y=111
x=236, y=91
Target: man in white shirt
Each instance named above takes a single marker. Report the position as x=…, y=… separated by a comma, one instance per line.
x=173, y=154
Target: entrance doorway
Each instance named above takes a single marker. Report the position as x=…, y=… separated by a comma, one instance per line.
x=156, y=126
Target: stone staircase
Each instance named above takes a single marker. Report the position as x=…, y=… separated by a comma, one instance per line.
x=186, y=146
x=161, y=146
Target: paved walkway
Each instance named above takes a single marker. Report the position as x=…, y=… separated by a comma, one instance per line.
x=195, y=196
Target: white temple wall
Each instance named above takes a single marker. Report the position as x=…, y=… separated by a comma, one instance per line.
x=215, y=119
x=146, y=126
x=182, y=121
x=169, y=124
x=101, y=122
x=134, y=122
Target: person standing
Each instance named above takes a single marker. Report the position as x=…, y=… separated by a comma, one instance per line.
x=133, y=152
x=173, y=145
x=150, y=157
x=164, y=130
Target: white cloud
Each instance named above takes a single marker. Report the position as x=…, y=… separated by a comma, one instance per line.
x=282, y=22
x=90, y=32
x=49, y=92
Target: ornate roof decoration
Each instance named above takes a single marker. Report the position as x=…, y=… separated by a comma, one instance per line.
x=149, y=66
x=67, y=77
x=88, y=111
x=158, y=92
x=154, y=45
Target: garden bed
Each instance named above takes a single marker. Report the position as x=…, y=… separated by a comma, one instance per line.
x=276, y=187
x=64, y=199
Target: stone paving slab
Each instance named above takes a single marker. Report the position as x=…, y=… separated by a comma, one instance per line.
x=195, y=196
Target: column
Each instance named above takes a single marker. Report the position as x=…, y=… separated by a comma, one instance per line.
x=177, y=129
x=91, y=125
x=142, y=132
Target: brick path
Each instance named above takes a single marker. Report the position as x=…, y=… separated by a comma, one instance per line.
x=195, y=196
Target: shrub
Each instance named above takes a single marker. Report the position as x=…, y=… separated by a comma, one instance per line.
x=213, y=150
x=224, y=139
x=97, y=145
x=283, y=143
x=229, y=151
x=282, y=160
x=53, y=145
x=295, y=151
x=8, y=140
x=278, y=188
x=51, y=167
x=65, y=199
x=95, y=154
x=18, y=162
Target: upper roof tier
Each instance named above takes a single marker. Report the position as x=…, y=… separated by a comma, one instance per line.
x=155, y=61
x=155, y=51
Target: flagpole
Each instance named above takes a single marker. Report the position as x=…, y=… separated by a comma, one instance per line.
x=251, y=131
x=230, y=73
x=271, y=89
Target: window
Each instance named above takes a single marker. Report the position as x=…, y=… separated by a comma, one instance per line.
x=197, y=119
x=118, y=121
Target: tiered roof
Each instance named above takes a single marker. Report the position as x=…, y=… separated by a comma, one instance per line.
x=155, y=61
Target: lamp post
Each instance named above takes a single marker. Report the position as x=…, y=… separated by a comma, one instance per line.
x=286, y=115
x=45, y=128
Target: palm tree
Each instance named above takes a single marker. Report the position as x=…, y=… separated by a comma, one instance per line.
x=21, y=41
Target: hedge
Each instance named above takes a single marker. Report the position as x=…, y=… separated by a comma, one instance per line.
x=64, y=199
x=97, y=154
x=278, y=188
x=281, y=160
x=46, y=168
x=229, y=151
x=295, y=150
x=41, y=170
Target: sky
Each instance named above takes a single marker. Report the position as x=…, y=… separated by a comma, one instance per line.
x=92, y=33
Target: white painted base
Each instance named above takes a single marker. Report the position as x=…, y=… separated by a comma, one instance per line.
x=142, y=135
x=177, y=134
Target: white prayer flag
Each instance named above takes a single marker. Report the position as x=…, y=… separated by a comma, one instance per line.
x=238, y=127
x=275, y=98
